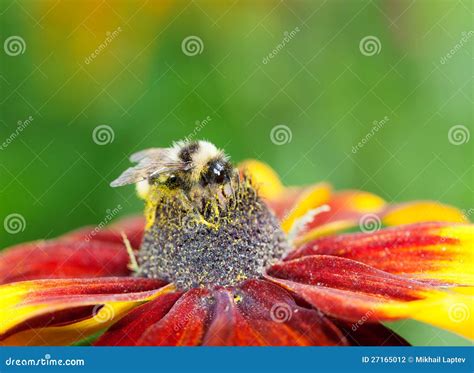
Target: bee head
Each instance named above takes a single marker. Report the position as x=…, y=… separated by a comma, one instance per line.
x=207, y=165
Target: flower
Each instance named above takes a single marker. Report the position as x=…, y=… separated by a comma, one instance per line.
x=410, y=260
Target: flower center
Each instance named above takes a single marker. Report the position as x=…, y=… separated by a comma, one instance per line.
x=210, y=237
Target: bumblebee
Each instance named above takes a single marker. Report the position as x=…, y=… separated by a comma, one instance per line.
x=185, y=165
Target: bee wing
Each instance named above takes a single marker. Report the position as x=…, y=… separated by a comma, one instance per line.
x=151, y=162
x=148, y=153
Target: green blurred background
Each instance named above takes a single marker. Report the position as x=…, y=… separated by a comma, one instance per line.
x=149, y=90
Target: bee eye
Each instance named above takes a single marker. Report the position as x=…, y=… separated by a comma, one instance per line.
x=217, y=173
x=172, y=182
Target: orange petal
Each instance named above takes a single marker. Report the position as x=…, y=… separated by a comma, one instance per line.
x=29, y=310
x=310, y=198
x=422, y=211
x=347, y=208
x=263, y=177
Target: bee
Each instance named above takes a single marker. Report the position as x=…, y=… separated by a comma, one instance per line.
x=195, y=169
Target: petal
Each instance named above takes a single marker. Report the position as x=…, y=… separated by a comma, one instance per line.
x=362, y=333
x=350, y=290
x=346, y=210
x=184, y=324
x=59, y=259
x=229, y=327
x=283, y=205
x=439, y=253
x=260, y=313
x=30, y=310
x=422, y=211
x=132, y=227
x=263, y=177
x=307, y=199
x=128, y=330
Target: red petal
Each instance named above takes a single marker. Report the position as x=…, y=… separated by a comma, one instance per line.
x=129, y=330
x=229, y=327
x=57, y=259
x=260, y=313
x=341, y=287
x=132, y=227
x=434, y=252
x=185, y=323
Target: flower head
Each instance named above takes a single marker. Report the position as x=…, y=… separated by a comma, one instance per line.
x=232, y=257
